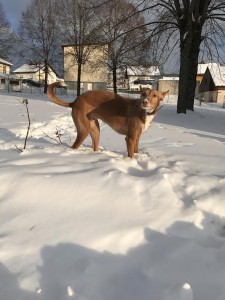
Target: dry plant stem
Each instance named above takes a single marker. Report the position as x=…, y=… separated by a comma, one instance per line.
x=58, y=141
x=25, y=102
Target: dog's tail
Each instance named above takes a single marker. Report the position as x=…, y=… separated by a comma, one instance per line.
x=52, y=96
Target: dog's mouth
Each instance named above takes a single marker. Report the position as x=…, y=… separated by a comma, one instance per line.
x=149, y=110
x=145, y=106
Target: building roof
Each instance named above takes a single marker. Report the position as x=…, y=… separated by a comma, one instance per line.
x=218, y=74
x=26, y=68
x=5, y=62
x=138, y=71
x=203, y=66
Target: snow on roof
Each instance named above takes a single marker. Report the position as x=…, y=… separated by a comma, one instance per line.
x=5, y=62
x=218, y=74
x=169, y=78
x=27, y=69
x=151, y=71
x=203, y=66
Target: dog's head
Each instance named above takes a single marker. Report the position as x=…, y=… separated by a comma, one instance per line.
x=150, y=99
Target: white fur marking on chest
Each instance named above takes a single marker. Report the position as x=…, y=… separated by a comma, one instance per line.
x=148, y=122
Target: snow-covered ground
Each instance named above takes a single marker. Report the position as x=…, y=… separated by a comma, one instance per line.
x=75, y=224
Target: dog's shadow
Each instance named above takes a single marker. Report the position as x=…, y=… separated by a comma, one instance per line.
x=10, y=289
x=144, y=272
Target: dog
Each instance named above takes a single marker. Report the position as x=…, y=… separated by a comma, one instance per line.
x=129, y=117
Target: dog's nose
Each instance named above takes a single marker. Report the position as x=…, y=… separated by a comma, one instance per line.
x=145, y=101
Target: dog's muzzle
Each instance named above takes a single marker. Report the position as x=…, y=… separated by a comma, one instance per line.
x=144, y=103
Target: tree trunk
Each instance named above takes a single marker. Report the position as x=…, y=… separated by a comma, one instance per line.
x=192, y=85
x=193, y=71
x=114, y=80
x=183, y=82
x=187, y=81
x=46, y=76
x=190, y=46
x=78, y=78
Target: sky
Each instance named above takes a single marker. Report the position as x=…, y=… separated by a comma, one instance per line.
x=13, y=10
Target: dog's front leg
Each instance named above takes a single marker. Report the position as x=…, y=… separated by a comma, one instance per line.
x=136, y=144
x=130, y=146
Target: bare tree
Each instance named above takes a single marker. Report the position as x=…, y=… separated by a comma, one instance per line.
x=196, y=26
x=124, y=49
x=7, y=37
x=79, y=25
x=198, y=22
x=38, y=33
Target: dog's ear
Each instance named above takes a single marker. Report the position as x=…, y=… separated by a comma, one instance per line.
x=164, y=94
x=141, y=89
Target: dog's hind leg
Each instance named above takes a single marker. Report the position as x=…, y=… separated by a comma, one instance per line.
x=81, y=136
x=83, y=129
x=82, y=125
x=95, y=133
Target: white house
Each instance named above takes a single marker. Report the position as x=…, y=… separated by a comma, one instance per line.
x=35, y=73
x=166, y=83
x=132, y=77
x=8, y=82
x=141, y=76
x=212, y=86
x=4, y=66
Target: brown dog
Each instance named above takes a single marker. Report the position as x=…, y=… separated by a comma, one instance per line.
x=130, y=117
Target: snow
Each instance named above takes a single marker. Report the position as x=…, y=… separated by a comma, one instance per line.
x=140, y=71
x=76, y=224
x=26, y=68
x=5, y=62
x=169, y=78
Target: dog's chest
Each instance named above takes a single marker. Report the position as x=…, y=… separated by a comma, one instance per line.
x=147, y=123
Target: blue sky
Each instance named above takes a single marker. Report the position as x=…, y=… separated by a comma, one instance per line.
x=13, y=9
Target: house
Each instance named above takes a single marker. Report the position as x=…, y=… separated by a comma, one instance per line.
x=8, y=82
x=133, y=77
x=166, y=83
x=4, y=66
x=202, y=66
x=93, y=68
x=171, y=82
x=35, y=73
x=142, y=76
x=212, y=86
